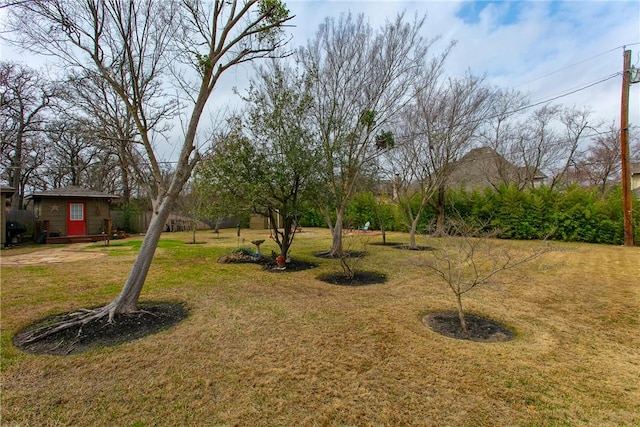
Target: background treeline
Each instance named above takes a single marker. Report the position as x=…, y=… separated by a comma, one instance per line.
x=573, y=214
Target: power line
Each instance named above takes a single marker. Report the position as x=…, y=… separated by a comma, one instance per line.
x=576, y=63
x=614, y=75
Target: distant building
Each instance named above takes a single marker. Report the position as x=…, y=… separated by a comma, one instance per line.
x=635, y=178
x=484, y=167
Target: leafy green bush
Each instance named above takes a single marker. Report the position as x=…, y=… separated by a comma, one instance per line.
x=571, y=214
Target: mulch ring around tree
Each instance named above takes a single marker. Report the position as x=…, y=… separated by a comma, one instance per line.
x=361, y=278
x=267, y=262
x=479, y=328
x=152, y=317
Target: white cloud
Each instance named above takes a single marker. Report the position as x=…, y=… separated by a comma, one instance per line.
x=539, y=47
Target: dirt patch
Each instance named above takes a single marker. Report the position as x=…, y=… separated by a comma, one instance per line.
x=49, y=255
x=151, y=318
x=479, y=328
x=361, y=278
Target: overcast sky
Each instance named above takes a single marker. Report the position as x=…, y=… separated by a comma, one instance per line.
x=543, y=48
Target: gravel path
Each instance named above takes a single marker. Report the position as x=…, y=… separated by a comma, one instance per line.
x=73, y=252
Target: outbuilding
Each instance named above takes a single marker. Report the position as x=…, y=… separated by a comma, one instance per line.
x=71, y=214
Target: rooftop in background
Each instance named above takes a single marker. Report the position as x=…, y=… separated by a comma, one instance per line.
x=72, y=191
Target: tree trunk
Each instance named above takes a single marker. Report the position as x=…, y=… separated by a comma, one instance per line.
x=412, y=233
x=336, y=244
x=463, y=322
x=440, y=231
x=16, y=178
x=384, y=234
x=127, y=301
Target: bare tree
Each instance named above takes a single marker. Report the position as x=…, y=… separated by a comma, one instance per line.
x=473, y=259
x=442, y=124
x=532, y=147
x=361, y=78
x=599, y=165
x=71, y=153
x=499, y=134
x=575, y=121
x=129, y=45
x=103, y=115
x=25, y=96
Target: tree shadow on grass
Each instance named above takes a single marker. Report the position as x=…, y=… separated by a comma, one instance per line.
x=348, y=254
x=479, y=328
x=403, y=246
x=152, y=317
x=361, y=278
x=290, y=266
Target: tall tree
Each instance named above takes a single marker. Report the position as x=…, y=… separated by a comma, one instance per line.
x=271, y=162
x=101, y=113
x=442, y=124
x=360, y=79
x=499, y=133
x=600, y=165
x=575, y=122
x=25, y=96
x=130, y=46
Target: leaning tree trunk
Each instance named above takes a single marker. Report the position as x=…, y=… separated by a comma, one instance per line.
x=127, y=301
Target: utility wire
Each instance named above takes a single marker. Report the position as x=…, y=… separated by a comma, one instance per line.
x=577, y=63
x=535, y=104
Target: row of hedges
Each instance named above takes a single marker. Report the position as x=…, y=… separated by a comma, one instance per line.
x=571, y=214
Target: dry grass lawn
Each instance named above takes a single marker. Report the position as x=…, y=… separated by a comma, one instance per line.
x=284, y=349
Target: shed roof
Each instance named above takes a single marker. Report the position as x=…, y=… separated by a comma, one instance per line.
x=72, y=191
x=5, y=189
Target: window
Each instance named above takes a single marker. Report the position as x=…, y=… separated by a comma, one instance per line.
x=76, y=212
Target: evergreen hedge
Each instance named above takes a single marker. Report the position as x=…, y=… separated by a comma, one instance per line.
x=571, y=214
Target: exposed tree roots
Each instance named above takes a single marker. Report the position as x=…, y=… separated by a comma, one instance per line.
x=66, y=321
x=86, y=329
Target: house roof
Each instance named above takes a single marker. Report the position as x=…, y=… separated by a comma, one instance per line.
x=483, y=166
x=635, y=168
x=72, y=191
x=5, y=189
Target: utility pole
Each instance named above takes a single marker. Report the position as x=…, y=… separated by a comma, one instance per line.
x=624, y=145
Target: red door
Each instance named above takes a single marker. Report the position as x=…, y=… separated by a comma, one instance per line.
x=76, y=222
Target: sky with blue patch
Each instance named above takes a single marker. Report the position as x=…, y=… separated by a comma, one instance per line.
x=470, y=11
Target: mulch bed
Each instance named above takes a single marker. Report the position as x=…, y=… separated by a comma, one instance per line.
x=267, y=262
x=361, y=278
x=153, y=317
x=479, y=328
